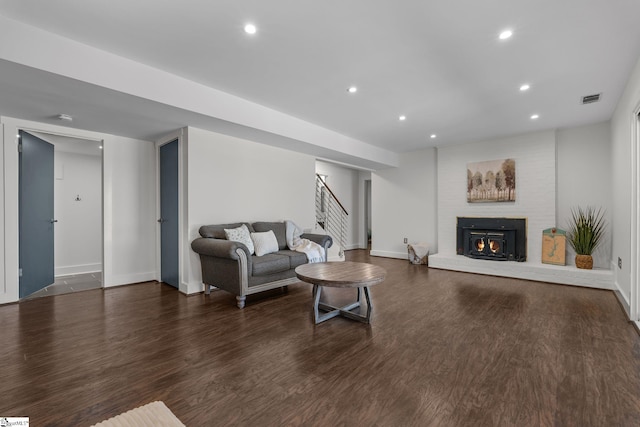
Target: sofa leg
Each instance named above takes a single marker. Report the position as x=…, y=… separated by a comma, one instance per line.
x=207, y=289
x=241, y=299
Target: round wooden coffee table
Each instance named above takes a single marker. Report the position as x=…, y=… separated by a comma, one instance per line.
x=345, y=274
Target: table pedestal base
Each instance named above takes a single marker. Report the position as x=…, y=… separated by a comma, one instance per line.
x=345, y=311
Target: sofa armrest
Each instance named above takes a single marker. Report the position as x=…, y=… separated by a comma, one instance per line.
x=322, y=239
x=225, y=264
x=218, y=248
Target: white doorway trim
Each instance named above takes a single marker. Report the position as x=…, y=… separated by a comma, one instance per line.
x=367, y=212
x=10, y=291
x=634, y=263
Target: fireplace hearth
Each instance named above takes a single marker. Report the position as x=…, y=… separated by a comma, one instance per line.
x=496, y=239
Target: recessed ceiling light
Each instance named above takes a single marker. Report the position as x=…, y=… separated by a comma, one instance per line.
x=433, y=135
x=100, y=147
x=352, y=89
x=250, y=29
x=402, y=118
x=524, y=87
x=505, y=34
x=534, y=117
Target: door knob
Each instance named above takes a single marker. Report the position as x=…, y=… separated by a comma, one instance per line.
x=161, y=220
x=53, y=220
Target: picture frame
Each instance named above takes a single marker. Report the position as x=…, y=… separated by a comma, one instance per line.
x=491, y=181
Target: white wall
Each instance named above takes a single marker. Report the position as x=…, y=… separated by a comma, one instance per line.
x=232, y=180
x=344, y=182
x=584, y=179
x=403, y=201
x=535, y=157
x=622, y=139
x=128, y=203
x=78, y=232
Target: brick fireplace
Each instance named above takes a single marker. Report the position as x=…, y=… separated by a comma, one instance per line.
x=535, y=154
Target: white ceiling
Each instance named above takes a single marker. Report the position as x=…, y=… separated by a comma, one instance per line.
x=438, y=62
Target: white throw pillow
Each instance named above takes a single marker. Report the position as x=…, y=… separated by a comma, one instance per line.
x=265, y=242
x=240, y=235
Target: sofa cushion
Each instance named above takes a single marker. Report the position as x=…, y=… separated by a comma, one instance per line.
x=264, y=243
x=216, y=231
x=240, y=235
x=278, y=229
x=270, y=263
x=295, y=258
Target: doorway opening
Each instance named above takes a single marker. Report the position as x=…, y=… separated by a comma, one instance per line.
x=367, y=213
x=74, y=175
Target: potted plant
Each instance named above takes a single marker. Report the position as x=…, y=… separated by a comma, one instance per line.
x=586, y=230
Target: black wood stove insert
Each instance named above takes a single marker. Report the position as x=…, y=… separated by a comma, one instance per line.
x=497, y=239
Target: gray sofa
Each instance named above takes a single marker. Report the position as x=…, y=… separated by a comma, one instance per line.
x=228, y=265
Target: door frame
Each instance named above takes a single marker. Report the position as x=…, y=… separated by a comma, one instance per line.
x=634, y=263
x=182, y=231
x=10, y=214
x=367, y=211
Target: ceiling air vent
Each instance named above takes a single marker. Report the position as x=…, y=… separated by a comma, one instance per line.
x=589, y=99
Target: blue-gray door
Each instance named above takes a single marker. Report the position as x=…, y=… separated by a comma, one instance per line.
x=169, y=213
x=36, y=222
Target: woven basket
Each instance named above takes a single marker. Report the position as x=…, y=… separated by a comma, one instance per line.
x=584, y=261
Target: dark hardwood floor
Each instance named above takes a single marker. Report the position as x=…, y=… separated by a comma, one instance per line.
x=443, y=349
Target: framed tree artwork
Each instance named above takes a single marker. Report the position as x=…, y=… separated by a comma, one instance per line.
x=491, y=181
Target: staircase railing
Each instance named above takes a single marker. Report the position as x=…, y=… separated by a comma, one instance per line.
x=330, y=214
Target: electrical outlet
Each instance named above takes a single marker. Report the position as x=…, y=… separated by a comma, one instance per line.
x=619, y=263
x=406, y=240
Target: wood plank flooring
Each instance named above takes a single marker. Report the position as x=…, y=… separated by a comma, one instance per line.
x=443, y=349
